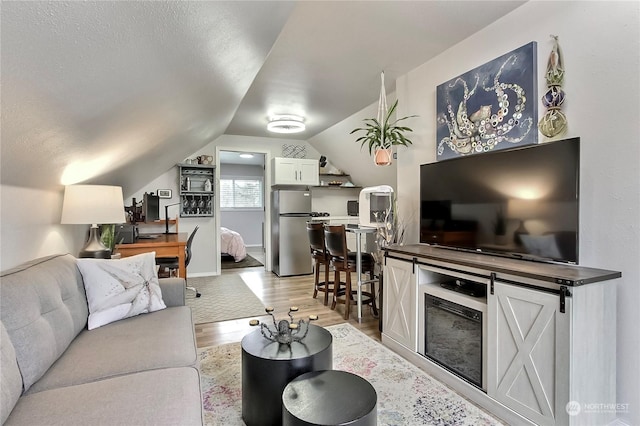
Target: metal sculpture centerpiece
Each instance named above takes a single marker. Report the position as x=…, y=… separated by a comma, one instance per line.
x=284, y=331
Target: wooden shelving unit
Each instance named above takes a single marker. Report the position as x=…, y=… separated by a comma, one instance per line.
x=196, y=196
x=333, y=177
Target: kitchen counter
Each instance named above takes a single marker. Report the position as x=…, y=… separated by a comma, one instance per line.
x=346, y=219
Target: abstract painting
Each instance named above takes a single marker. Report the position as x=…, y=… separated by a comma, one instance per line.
x=489, y=108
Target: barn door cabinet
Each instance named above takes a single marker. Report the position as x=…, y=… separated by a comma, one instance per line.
x=551, y=333
x=400, y=303
x=295, y=171
x=549, y=348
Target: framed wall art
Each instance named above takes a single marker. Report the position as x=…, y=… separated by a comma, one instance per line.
x=491, y=107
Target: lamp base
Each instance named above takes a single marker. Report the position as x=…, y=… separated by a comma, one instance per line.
x=518, y=232
x=94, y=247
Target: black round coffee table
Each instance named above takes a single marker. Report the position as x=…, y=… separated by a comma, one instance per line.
x=267, y=367
x=329, y=398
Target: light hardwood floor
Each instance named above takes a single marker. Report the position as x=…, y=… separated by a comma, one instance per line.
x=281, y=293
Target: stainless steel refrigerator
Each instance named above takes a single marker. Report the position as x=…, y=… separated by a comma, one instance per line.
x=290, y=211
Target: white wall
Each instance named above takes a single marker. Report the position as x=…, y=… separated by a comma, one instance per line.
x=344, y=153
x=601, y=44
x=248, y=223
x=30, y=226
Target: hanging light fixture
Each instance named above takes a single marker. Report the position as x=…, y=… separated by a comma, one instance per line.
x=286, y=124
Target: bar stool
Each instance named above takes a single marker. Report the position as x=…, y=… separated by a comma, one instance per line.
x=319, y=254
x=342, y=260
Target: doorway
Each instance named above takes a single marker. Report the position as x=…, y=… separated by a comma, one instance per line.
x=242, y=204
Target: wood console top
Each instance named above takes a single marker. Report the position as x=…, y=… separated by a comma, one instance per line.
x=568, y=275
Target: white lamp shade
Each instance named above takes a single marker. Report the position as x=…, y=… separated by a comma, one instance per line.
x=524, y=209
x=92, y=204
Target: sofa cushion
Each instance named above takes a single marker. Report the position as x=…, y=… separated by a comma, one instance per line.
x=43, y=307
x=120, y=288
x=10, y=380
x=146, y=342
x=173, y=291
x=159, y=397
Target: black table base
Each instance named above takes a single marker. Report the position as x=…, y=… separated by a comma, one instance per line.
x=329, y=398
x=268, y=367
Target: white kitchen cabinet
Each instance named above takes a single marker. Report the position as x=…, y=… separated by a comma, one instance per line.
x=399, y=313
x=295, y=171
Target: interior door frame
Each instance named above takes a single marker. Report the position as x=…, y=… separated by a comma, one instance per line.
x=266, y=229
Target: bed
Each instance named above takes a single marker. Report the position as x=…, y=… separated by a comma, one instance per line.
x=232, y=244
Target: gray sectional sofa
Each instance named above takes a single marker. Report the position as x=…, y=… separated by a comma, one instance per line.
x=140, y=370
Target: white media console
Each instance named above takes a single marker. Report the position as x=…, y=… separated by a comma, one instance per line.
x=548, y=346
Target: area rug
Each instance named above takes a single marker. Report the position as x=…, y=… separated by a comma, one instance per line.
x=224, y=297
x=406, y=394
x=227, y=262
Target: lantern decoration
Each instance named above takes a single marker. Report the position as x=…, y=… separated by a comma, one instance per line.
x=554, y=122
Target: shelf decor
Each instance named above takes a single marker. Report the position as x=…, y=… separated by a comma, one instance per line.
x=486, y=109
x=382, y=133
x=554, y=122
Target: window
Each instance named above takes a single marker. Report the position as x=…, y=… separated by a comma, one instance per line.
x=241, y=193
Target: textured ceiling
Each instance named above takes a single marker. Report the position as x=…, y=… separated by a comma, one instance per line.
x=91, y=90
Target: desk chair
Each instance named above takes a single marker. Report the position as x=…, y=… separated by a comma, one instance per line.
x=172, y=262
x=319, y=254
x=342, y=260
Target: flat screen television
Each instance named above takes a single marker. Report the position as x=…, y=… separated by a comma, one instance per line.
x=521, y=203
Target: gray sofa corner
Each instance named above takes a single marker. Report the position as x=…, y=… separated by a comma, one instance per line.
x=140, y=370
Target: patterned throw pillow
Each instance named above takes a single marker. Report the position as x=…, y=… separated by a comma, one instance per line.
x=120, y=288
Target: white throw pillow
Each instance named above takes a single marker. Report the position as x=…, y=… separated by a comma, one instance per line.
x=542, y=245
x=120, y=288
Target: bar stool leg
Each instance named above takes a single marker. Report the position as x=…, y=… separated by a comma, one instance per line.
x=347, y=296
x=326, y=283
x=316, y=278
x=373, y=296
x=336, y=288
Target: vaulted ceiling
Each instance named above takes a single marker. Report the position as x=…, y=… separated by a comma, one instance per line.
x=92, y=90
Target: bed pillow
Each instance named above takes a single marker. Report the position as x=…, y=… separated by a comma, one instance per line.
x=120, y=288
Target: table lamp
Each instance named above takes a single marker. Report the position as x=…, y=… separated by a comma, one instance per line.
x=93, y=205
x=523, y=210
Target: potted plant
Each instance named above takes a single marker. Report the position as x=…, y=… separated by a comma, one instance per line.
x=109, y=237
x=382, y=133
x=390, y=230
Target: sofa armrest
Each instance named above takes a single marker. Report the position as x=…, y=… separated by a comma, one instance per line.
x=173, y=291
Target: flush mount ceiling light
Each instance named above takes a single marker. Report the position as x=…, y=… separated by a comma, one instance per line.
x=246, y=155
x=286, y=124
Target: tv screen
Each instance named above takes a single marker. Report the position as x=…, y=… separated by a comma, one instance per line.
x=521, y=203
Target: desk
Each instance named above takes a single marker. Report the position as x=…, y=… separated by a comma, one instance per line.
x=356, y=229
x=165, y=245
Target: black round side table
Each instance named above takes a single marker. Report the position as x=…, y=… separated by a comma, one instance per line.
x=267, y=367
x=329, y=398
